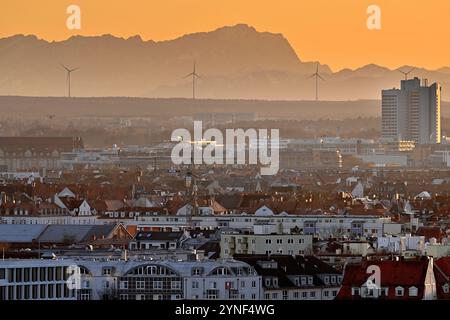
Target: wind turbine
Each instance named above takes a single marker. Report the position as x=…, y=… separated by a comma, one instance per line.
x=69, y=71
x=317, y=76
x=194, y=75
x=407, y=73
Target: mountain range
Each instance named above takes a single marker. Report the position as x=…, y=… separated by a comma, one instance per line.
x=234, y=62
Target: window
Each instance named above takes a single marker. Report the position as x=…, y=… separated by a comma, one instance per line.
x=105, y=284
x=295, y=295
x=107, y=271
x=196, y=271
x=85, y=296
x=158, y=284
x=326, y=293
x=279, y=241
x=268, y=241
x=243, y=284
x=140, y=285
x=123, y=297
x=2, y=274
x=446, y=288
x=399, y=291
x=312, y=294
x=176, y=285
x=194, y=284
x=290, y=240
x=355, y=291
x=213, y=285
x=304, y=295
x=253, y=284
x=413, y=292
x=123, y=284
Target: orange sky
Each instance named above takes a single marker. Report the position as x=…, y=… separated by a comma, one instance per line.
x=414, y=32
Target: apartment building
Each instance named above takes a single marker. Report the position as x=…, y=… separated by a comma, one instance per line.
x=127, y=280
x=264, y=239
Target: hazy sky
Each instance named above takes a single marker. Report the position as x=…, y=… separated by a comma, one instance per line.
x=414, y=32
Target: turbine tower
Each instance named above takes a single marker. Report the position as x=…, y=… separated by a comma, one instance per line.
x=194, y=75
x=69, y=71
x=407, y=73
x=317, y=76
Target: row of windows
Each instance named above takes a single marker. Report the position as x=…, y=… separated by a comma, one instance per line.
x=34, y=292
x=280, y=241
x=399, y=292
x=35, y=274
x=298, y=295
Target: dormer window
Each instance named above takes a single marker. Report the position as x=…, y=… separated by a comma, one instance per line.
x=196, y=271
x=399, y=292
x=107, y=271
x=446, y=288
x=413, y=292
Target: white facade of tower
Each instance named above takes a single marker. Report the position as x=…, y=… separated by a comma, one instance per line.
x=412, y=112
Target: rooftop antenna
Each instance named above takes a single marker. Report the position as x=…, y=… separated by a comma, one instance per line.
x=406, y=73
x=194, y=75
x=69, y=71
x=317, y=76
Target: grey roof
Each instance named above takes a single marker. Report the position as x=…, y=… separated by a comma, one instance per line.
x=74, y=233
x=59, y=233
x=20, y=233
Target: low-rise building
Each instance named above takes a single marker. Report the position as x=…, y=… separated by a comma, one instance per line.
x=397, y=279
x=287, y=277
x=128, y=280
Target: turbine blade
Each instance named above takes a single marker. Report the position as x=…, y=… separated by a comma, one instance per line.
x=188, y=75
x=313, y=75
x=320, y=77
x=67, y=69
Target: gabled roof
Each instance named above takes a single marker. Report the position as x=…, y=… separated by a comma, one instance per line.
x=393, y=273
